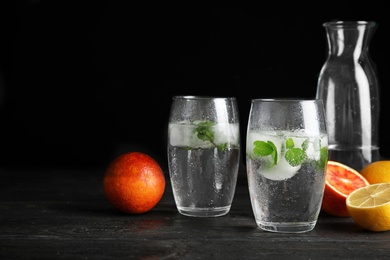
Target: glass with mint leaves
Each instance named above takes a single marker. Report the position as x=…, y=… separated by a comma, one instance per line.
x=286, y=159
x=203, y=154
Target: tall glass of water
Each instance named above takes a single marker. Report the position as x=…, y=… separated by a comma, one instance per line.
x=286, y=159
x=203, y=154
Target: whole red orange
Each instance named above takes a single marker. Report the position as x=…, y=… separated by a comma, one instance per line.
x=134, y=183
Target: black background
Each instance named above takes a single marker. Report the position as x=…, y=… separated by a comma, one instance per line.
x=84, y=81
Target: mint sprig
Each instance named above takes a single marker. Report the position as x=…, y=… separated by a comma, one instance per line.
x=294, y=156
x=205, y=132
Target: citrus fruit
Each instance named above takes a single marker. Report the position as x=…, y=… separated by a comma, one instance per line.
x=377, y=172
x=369, y=206
x=341, y=180
x=134, y=183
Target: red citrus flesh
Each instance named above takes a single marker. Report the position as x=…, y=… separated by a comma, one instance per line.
x=341, y=180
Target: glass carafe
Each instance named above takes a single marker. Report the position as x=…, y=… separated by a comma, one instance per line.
x=349, y=87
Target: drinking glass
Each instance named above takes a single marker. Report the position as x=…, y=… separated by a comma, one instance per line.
x=286, y=159
x=203, y=154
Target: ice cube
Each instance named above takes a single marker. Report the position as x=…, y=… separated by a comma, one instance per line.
x=282, y=171
x=183, y=135
x=226, y=133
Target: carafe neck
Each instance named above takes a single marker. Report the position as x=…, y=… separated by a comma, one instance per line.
x=349, y=39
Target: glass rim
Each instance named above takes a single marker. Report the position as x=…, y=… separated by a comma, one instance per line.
x=340, y=23
x=200, y=97
x=286, y=100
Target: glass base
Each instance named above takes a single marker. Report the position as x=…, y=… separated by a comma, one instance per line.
x=289, y=227
x=203, y=212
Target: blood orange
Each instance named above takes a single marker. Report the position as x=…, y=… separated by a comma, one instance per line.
x=341, y=180
x=134, y=183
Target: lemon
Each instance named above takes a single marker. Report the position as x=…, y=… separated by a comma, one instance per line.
x=377, y=172
x=369, y=206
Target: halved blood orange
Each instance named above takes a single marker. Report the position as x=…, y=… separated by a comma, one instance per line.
x=341, y=180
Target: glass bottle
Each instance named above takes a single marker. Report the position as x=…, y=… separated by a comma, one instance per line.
x=349, y=88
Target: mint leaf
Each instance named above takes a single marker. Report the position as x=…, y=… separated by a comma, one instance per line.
x=262, y=148
x=295, y=156
x=289, y=143
x=305, y=145
x=275, y=152
x=323, y=157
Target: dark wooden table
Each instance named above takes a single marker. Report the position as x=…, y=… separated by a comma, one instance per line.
x=63, y=214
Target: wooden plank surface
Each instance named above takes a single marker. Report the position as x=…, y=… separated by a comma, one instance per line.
x=65, y=215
